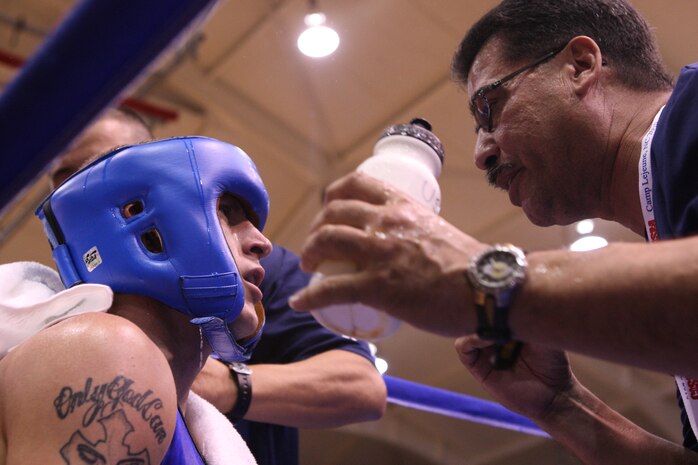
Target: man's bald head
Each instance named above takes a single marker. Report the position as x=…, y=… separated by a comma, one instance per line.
x=113, y=129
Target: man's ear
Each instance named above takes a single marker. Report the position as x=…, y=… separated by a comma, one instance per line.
x=584, y=63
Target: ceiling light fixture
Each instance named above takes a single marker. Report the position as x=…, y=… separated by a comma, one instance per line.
x=585, y=226
x=380, y=363
x=586, y=243
x=318, y=40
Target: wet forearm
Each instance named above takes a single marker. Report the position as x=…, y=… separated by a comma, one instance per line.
x=630, y=303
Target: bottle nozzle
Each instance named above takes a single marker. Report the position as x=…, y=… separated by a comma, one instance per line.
x=421, y=122
x=420, y=129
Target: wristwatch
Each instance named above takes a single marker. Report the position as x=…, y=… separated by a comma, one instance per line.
x=496, y=274
x=240, y=373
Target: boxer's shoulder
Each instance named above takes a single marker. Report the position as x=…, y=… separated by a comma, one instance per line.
x=84, y=385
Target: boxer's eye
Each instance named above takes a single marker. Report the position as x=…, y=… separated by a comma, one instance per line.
x=132, y=209
x=232, y=210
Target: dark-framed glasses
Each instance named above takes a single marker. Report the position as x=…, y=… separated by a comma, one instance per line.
x=480, y=106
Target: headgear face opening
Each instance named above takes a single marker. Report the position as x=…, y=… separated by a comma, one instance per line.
x=143, y=220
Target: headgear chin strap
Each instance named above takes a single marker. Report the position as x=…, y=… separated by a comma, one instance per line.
x=224, y=344
x=143, y=219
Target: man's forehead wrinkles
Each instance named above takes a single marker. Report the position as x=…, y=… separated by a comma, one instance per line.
x=487, y=66
x=479, y=76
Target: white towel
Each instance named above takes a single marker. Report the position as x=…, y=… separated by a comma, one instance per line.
x=214, y=435
x=32, y=298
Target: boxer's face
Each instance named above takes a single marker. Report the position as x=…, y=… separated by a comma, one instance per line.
x=248, y=246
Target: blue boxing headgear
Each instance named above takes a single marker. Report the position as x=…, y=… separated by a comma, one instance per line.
x=143, y=219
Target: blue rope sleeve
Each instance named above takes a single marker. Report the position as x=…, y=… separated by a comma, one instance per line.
x=452, y=404
x=87, y=62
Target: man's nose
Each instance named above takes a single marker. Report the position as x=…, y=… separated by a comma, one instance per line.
x=486, y=150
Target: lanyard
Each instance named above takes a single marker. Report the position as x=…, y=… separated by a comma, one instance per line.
x=687, y=387
x=645, y=184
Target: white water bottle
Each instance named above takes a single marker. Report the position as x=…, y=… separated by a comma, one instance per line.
x=410, y=158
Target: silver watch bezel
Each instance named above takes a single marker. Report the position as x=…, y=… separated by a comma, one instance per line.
x=507, y=283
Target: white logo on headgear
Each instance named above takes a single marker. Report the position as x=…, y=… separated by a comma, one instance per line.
x=92, y=259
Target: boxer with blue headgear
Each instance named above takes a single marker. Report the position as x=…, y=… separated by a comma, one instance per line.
x=145, y=220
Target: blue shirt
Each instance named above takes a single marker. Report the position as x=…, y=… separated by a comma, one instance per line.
x=288, y=336
x=675, y=176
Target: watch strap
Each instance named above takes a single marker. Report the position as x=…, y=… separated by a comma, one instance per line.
x=492, y=324
x=242, y=378
x=492, y=320
x=506, y=354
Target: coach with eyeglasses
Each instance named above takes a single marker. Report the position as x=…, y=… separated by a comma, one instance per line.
x=576, y=117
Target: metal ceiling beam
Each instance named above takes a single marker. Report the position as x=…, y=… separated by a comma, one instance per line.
x=239, y=111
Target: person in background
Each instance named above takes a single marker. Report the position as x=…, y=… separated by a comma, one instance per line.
x=300, y=375
x=576, y=117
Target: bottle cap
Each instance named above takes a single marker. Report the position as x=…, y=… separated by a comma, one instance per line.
x=420, y=129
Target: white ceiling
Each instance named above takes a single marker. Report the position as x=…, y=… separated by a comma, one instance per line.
x=307, y=121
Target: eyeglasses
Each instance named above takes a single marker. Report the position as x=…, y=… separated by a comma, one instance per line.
x=481, y=107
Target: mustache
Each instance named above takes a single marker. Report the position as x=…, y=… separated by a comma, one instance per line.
x=494, y=170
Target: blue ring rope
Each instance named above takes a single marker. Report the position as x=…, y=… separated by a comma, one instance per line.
x=461, y=406
x=100, y=48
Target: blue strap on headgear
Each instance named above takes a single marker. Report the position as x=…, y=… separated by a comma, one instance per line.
x=143, y=219
x=218, y=335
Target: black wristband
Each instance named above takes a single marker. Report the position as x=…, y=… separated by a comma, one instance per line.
x=492, y=321
x=242, y=379
x=493, y=325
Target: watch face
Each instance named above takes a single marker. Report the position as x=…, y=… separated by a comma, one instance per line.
x=499, y=268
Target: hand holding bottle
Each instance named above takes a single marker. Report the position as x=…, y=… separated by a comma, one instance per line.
x=410, y=158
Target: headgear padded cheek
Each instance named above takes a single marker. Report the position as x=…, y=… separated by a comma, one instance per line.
x=143, y=220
